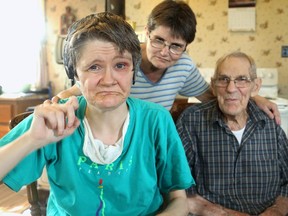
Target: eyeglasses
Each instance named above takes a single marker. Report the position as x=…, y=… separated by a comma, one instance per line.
x=240, y=81
x=158, y=43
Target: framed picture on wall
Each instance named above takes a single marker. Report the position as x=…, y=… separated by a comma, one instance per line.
x=242, y=3
x=242, y=15
x=116, y=7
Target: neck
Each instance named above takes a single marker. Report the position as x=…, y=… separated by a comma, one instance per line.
x=153, y=73
x=107, y=125
x=236, y=122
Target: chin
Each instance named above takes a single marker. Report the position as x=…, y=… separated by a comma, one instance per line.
x=110, y=104
x=161, y=64
x=231, y=110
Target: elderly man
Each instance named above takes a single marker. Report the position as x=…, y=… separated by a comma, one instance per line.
x=237, y=155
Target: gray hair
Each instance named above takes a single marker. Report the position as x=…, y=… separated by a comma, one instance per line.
x=237, y=54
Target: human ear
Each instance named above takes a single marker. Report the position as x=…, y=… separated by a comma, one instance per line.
x=256, y=87
x=213, y=88
x=146, y=32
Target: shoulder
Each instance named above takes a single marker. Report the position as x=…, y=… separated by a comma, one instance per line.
x=143, y=105
x=145, y=108
x=201, y=107
x=184, y=62
x=184, y=67
x=255, y=113
x=185, y=58
x=199, y=111
x=145, y=115
x=258, y=116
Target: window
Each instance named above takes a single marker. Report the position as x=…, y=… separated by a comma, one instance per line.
x=22, y=47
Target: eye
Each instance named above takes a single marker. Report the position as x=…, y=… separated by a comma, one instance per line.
x=124, y=66
x=242, y=79
x=94, y=68
x=176, y=47
x=159, y=41
x=121, y=65
x=224, y=79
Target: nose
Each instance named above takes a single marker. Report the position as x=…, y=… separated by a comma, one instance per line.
x=165, y=49
x=231, y=86
x=108, y=77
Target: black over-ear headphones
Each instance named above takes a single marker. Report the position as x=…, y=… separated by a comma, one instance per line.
x=68, y=64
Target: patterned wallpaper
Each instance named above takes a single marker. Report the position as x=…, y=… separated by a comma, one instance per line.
x=54, y=11
x=213, y=38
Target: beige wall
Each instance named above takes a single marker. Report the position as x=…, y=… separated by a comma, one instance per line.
x=213, y=38
x=54, y=10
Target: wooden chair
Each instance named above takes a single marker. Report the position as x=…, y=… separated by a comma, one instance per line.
x=36, y=197
x=179, y=105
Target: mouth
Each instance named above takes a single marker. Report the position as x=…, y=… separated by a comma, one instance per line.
x=107, y=93
x=231, y=100
x=162, y=59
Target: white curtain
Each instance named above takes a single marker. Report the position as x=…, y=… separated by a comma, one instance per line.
x=22, y=46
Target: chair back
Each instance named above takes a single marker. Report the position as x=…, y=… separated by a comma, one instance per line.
x=18, y=118
x=178, y=107
x=32, y=191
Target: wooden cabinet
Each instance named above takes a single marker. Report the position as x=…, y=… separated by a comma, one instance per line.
x=13, y=105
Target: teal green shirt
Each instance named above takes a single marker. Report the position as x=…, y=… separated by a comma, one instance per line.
x=152, y=162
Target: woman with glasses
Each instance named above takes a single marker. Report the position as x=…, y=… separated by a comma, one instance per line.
x=237, y=155
x=166, y=70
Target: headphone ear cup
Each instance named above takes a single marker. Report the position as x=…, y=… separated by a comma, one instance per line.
x=69, y=69
x=68, y=66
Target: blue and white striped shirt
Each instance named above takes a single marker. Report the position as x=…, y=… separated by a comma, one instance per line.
x=183, y=78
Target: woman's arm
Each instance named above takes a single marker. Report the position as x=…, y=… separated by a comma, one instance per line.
x=72, y=91
x=270, y=108
x=12, y=153
x=176, y=204
x=51, y=123
x=206, y=96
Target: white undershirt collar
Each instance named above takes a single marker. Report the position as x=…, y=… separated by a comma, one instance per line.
x=97, y=151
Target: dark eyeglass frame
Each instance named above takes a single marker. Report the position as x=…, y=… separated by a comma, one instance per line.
x=158, y=43
x=240, y=81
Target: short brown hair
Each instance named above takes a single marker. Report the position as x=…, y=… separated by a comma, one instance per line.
x=176, y=15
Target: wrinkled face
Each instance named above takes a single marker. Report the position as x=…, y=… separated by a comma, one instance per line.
x=104, y=74
x=162, y=58
x=233, y=100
